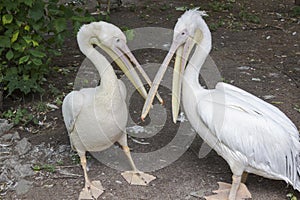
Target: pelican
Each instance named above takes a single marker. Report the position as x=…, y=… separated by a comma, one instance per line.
x=252, y=135
x=95, y=118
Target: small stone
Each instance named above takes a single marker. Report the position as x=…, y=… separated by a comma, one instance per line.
x=24, y=170
x=275, y=75
x=62, y=148
x=266, y=97
x=52, y=106
x=23, y=146
x=4, y=126
x=48, y=186
x=256, y=79
x=11, y=162
x=3, y=176
x=7, y=136
x=198, y=194
x=23, y=186
x=243, y=67
x=16, y=136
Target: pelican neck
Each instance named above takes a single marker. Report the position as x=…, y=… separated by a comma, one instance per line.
x=108, y=77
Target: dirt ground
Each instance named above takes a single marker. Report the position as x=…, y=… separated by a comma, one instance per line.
x=261, y=57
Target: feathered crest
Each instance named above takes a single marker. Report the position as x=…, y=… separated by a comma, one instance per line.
x=192, y=14
x=196, y=10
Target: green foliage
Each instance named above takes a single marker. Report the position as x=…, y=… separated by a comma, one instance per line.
x=219, y=6
x=45, y=167
x=291, y=196
x=297, y=108
x=31, y=115
x=295, y=11
x=216, y=25
x=31, y=31
x=19, y=116
x=249, y=17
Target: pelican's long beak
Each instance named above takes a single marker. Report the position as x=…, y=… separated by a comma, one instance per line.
x=182, y=52
x=122, y=57
x=181, y=59
x=127, y=52
x=158, y=78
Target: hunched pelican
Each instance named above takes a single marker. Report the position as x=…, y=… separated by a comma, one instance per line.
x=96, y=118
x=252, y=135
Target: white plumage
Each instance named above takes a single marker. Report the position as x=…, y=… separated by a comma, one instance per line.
x=96, y=117
x=250, y=134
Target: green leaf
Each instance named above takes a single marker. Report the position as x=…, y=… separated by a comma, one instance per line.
x=35, y=43
x=4, y=41
x=7, y=19
x=28, y=2
x=37, y=61
x=27, y=28
x=23, y=59
x=37, y=53
x=25, y=77
x=129, y=34
x=182, y=8
x=9, y=55
x=36, y=168
x=37, y=11
x=60, y=25
x=27, y=39
x=18, y=46
x=15, y=36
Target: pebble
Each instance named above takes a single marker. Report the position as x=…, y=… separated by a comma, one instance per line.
x=243, y=67
x=266, y=97
x=11, y=136
x=3, y=176
x=23, y=186
x=4, y=126
x=24, y=170
x=16, y=136
x=256, y=79
x=62, y=148
x=7, y=136
x=198, y=194
x=23, y=146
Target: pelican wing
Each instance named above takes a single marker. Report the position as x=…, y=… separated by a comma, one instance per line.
x=71, y=108
x=254, y=132
x=258, y=104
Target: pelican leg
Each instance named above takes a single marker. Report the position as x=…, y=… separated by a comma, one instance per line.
x=244, y=177
x=134, y=177
x=236, y=191
x=236, y=181
x=91, y=190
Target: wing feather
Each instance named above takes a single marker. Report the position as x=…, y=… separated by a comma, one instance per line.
x=71, y=108
x=255, y=129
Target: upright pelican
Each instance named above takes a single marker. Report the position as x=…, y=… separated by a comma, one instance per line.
x=250, y=134
x=96, y=117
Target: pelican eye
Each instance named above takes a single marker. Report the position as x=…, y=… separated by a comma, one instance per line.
x=118, y=40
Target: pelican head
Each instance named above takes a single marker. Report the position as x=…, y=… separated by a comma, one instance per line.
x=113, y=41
x=190, y=30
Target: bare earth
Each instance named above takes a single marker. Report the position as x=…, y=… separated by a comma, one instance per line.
x=262, y=58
